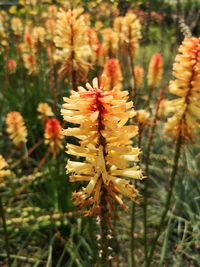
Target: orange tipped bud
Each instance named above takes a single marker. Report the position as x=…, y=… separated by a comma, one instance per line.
x=12, y=65
x=139, y=76
x=53, y=135
x=155, y=70
x=112, y=71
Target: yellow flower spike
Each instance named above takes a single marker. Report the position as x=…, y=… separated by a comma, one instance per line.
x=17, y=26
x=131, y=33
x=186, y=108
x=104, y=141
x=16, y=128
x=72, y=43
x=110, y=43
x=4, y=172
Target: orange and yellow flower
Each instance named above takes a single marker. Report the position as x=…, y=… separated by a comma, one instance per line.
x=16, y=128
x=104, y=142
x=186, y=108
x=53, y=135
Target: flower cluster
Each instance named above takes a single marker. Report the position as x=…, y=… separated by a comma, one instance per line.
x=16, y=128
x=104, y=143
x=186, y=108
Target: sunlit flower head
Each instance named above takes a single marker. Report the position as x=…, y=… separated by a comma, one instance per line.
x=45, y=111
x=52, y=11
x=155, y=70
x=104, y=141
x=112, y=71
x=143, y=117
x=110, y=43
x=131, y=33
x=38, y=35
x=53, y=135
x=16, y=128
x=16, y=26
x=30, y=63
x=71, y=40
x=185, y=120
x=139, y=76
x=50, y=26
x=93, y=42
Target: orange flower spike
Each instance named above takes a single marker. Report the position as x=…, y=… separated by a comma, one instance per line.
x=139, y=76
x=104, y=142
x=16, y=128
x=185, y=120
x=155, y=70
x=72, y=43
x=53, y=135
x=12, y=65
x=112, y=71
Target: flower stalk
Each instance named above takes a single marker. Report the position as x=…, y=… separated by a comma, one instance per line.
x=3, y=217
x=147, y=161
x=168, y=200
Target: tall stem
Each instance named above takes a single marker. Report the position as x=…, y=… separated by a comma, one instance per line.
x=104, y=232
x=133, y=217
x=132, y=92
x=148, y=154
x=2, y=214
x=168, y=200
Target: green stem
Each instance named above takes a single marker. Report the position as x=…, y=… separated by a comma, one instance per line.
x=2, y=214
x=133, y=217
x=148, y=154
x=168, y=200
x=133, y=236
x=132, y=93
x=104, y=220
